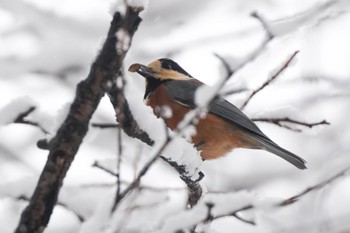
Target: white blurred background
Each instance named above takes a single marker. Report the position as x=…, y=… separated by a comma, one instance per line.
x=47, y=47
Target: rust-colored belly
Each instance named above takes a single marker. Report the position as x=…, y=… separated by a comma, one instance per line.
x=215, y=136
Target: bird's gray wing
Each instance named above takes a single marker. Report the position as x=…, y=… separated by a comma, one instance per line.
x=183, y=92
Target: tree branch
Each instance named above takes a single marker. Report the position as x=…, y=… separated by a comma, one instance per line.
x=280, y=122
x=124, y=116
x=65, y=144
x=195, y=190
x=80, y=217
x=289, y=201
x=271, y=79
x=315, y=187
x=269, y=36
x=21, y=119
x=97, y=165
x=135, y=183
x=105, y=125
x=131, y=128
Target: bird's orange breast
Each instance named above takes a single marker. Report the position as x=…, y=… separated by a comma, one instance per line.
x=215, y=136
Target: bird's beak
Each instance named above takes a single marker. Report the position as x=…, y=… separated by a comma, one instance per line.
x=143, y=70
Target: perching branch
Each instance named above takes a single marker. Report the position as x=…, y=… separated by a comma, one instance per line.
x=281, y=122
x=195, y=190
x=131, y=128
x=193, y=185
x=271, y=79
x=65, y=144
x=124, y=116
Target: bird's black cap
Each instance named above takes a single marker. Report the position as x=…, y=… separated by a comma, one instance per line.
x=171, y=65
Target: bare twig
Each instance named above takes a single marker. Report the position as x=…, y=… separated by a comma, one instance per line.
x=251, y=222
x=265, y=25
x=269, y=36
x=65, y=144
x=315, y=187
x=97, y=165
x=119, y=161
x=105, y=125
x=135, y=183
x=257, y=52
x=235, y=214
x=21, y=119
x=286, y=202
x=141, y=187
x=21, y=116
x=229, y=71
x=280, y=122
x=233, y=91
x=120, y=105
x=272, y=78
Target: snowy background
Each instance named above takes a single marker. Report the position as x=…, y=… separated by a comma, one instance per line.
x=47, y=46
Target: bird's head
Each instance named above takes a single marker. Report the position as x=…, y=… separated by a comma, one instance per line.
x=160, y=70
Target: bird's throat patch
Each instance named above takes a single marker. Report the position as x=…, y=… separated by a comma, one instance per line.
x=151, y=85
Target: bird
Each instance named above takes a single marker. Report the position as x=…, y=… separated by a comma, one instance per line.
x=224, y=128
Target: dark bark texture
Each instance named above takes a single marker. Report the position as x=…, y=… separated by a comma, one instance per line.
x=69, y=137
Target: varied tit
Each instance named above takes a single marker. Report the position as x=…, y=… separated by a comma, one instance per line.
x=224, y=128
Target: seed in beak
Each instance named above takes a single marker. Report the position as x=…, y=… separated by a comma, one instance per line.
x=134, y=67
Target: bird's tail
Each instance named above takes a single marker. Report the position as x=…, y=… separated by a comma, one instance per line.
x=272, y=147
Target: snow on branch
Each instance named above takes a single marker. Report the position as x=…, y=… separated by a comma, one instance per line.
x=190, y=175
x=65, y=144
x=21, y=119
x=209, y=207
x=129, y=125
x=195, y=189
x=124, y=115
x=213, y=206
x=282, y=122
x=17, y=111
